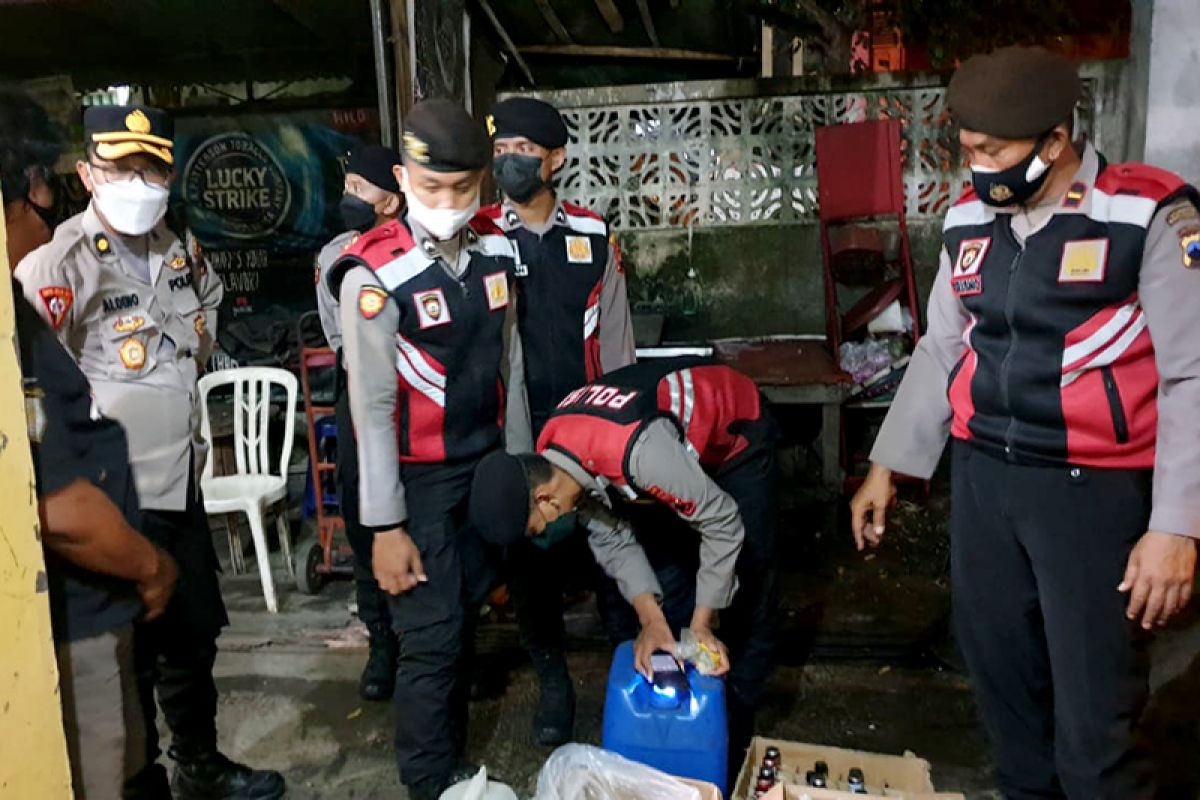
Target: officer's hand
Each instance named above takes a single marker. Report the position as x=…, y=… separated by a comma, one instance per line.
x=1159, y=577
x=156, y=589
x=397, y=562
x=868, y=508
x=655, y=635
x=708, y=639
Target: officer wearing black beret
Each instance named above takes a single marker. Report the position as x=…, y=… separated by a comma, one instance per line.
x=371, y=198
x=434, y=362
x=576, y=326
x=1063, y=322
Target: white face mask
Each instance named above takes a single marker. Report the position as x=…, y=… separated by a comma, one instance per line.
x=442, y=223
x=131, y=207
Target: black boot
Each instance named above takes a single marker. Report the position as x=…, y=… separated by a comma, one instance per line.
x=149, y=784
x=378, y=680
x=554, y=721
x=212, y=776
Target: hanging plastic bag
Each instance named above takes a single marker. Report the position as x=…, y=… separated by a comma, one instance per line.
x=583, y=772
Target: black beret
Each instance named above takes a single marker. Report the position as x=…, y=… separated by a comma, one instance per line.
x=1014, y=92
x=440, y=135
x=374, y=163
x=119, y=131
x=499, y=506
x=537, y=121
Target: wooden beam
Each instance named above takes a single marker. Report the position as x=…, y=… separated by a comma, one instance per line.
x=301, y=14
x=588, y=51
x=560, y=31
x=402, y=60
x=611, y=14
x=509, y=45
x=648, y=22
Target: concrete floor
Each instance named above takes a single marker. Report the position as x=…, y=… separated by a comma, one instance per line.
x=289, y=698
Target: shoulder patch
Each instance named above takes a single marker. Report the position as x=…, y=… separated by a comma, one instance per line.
x=491, y=212
x=371, y=301
x=1189, y=243
x=576, y=210
x=58, y=301
x=484, y=226
x=380, y=245
x=685, y=508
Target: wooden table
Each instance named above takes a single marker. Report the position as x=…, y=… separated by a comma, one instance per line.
x=797, y=371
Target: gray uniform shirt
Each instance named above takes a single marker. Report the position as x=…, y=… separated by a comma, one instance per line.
x=115, y=325
x=327, y=304
x=615, y=325
x=369, y=353
x=914, y=433
x=661, y=460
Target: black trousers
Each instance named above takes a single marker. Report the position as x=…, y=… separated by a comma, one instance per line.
x=372, y=601
x=1060, y=675
x=174, y=654
x=538, y=578
x=435, y=622
x=750, y=626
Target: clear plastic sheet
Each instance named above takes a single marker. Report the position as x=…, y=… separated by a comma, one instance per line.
x=583, y=772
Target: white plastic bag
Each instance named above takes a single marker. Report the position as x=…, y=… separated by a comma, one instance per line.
x=479, y=788
x=583, y=772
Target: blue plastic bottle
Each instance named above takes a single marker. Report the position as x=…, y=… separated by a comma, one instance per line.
x=680, y=730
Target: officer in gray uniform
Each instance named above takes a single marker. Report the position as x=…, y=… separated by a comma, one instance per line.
x=372, y=198
x=436, y=382
x=1062, y=360
x=139, y=316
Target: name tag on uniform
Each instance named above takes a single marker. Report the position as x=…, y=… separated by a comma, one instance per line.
x=964, y=277
x=431, y=308
x=496, y=285
x=1083, y=261
x=579, y=250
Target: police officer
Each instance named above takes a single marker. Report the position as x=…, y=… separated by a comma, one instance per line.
x=101, y=573
x=1062, y=360
x=372, y=198
x=138, y=315
x=689, y=435
x=575, y=326
x=436, y=382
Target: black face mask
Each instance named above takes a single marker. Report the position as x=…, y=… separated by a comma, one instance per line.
x=1012, y=186
x=48, y=216
x=357, y=214
x=518, y=176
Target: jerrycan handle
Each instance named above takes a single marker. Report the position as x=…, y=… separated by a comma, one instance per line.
x=670, y=688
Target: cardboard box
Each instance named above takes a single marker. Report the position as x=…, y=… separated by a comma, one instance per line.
x=707, y=790
x=906, y=777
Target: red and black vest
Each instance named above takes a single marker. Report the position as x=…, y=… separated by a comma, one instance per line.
x=596, y=425
x=1059, y=366
x=559, y=312
x=449, y=346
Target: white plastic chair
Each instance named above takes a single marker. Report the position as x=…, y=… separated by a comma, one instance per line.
x=253, y=489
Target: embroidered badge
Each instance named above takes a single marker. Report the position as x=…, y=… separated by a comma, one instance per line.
x=579, y=250
x=1189, y=243
x=201, y=325
x=1075, y=195
x=178, y=263
x=1182, y=213
x=58, y=300
x=128, y=323
x=684, y=508
x=431, y=308
x=964, y=277
x=133, y=353
x=496, y=285
x=371, y=301
x=1083, y=261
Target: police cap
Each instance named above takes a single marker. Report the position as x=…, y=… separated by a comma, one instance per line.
x=535, y=120
x=1014, y=92
x=440, y=135
x=499, y=506
x=374, y=164
x=120, y=131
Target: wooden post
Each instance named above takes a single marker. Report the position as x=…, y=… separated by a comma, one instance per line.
x=31, y=732
x=436, y=27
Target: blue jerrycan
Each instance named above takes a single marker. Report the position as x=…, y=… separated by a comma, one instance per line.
x=675, y=724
